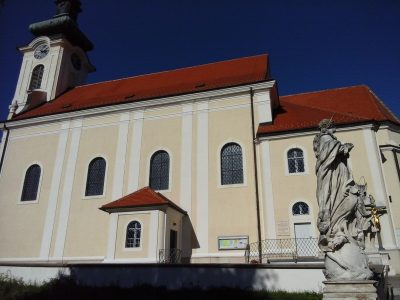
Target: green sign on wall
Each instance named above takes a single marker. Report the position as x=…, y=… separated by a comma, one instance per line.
x=232, y=242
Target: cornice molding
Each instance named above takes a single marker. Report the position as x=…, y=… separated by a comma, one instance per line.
x=307, y=132
x=194, y=97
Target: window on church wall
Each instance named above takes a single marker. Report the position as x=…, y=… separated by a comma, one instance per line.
x=231, y=164
x=36, y=79
x=31, y=183
x=159, y=171
x=300, y=208
x=295, y=158
x=133, y=233
x=95, y=177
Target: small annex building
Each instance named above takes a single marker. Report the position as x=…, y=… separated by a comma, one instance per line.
x=194, y=165
x=156, y=219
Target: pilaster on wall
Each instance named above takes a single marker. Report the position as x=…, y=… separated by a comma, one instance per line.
x=2, y=145
x=267, y=196
x=202, y=176
x=136, y=144
x=23, y=82
x=54, y=190
x=76, y=128
x=378, y=184
x=153, y=236
x=162, y=225
x=262, y=103
x=186, y=158
x=112, y=236
x=119, y=168
x=117, y=190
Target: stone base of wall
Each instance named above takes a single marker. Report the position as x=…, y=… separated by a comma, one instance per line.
x=218, y=260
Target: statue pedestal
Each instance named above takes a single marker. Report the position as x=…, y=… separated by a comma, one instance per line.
x=350, y=290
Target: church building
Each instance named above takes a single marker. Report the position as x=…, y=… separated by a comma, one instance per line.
x=206, y=164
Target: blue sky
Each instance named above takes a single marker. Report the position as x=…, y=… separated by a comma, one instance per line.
x=313, y=45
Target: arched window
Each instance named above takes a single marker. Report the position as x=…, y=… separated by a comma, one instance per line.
x=95, y=177
x=31, y=183
x=159, y=171
x=36, y=79
x=133, y=233
x=231, y=164
x=300, y=208
x=295, y=159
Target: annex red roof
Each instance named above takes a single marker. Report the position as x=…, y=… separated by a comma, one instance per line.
x=145, y=197
x=347, y=105
x=181, y=81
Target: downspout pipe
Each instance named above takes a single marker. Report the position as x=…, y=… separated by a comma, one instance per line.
x=3, y=152
x=256, y=175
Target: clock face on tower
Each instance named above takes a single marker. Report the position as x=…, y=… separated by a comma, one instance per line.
x=41, y=51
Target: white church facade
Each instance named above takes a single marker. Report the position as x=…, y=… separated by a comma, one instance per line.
x=184, y=166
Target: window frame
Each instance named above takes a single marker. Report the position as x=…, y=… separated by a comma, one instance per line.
x=169, y=171
x=244, y=165
x=23, y=181
x=86, y=177
x=41, y=78
x=140, y=248
x=286, y=159
x=298, y=215
x=295, y=219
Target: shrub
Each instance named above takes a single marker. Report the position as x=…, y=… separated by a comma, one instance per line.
x=64, y=287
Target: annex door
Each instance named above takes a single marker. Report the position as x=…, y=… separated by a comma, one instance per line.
x=173, y=239
x=304, y=245
x=173, y=243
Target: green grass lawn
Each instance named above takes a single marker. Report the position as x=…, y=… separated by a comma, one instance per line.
x=65, y=288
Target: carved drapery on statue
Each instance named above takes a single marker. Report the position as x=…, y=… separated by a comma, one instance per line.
x=345, y=210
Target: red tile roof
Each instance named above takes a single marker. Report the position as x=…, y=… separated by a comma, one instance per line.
x=145, y=197
x=181, y=81
x=347, y=105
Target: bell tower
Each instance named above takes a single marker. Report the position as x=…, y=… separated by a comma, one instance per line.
x=54, y=61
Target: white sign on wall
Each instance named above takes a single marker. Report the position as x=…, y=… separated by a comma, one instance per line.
x=282, y=228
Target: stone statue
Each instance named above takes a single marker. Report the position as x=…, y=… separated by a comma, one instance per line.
x=371, y=224
x=343, y=217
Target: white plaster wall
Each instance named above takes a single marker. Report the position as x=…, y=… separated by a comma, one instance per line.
x=38, y=275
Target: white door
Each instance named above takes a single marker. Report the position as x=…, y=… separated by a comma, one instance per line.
x=302, y=230
x=304, y=245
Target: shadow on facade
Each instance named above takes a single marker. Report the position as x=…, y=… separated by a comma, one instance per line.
x=188, y=234
x=176, y=276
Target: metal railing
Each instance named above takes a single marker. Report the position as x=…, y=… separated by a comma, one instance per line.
x=283, y=249
x=169, y=256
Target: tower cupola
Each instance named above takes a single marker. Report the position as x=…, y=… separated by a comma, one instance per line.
x=54, y=61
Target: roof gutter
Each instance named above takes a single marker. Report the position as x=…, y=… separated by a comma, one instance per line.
x=254, y=138
x=4, y=144
x=111, y=210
